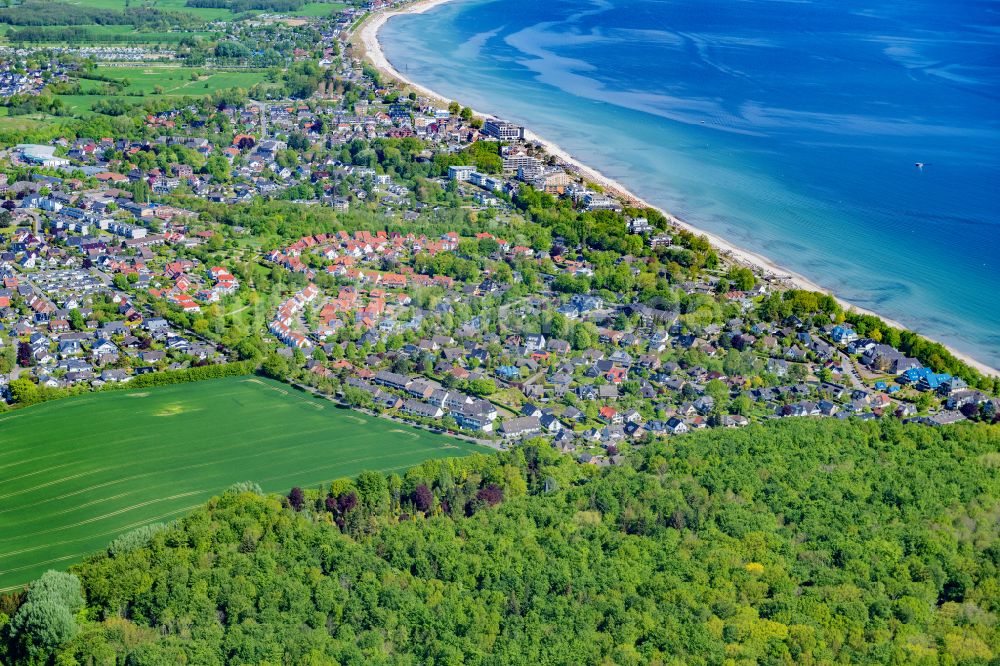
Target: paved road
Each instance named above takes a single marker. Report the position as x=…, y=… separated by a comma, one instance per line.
x=482, y=442
x=851, y=371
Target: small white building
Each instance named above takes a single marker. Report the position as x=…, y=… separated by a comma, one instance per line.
x=41, y=155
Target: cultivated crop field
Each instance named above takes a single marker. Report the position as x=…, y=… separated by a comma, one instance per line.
x=76, y=473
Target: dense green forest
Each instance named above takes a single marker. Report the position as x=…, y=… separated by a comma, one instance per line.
x=798, y=542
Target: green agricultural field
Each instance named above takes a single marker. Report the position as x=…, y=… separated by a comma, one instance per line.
x=76, y=473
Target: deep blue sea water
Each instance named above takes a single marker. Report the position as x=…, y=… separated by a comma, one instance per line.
x=790, y=127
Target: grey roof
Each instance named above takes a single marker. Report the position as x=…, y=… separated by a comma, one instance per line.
x=523, y=424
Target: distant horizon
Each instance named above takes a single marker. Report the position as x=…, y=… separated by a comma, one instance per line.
x=723, y=134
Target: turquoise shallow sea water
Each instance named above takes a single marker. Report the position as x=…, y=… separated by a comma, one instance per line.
x=790, y=127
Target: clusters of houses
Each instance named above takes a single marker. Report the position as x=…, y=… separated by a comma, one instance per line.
x=183, y=283
x=16, y=79
x=52, y=317
x=645, y=371
x=427, y=399
x=283, y=324
x=548, y=370
x=71, y=217
x=560, y=379
x=518, y=165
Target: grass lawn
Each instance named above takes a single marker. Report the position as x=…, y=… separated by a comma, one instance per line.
x=82, y=104
x=180, y=81
x=13, y=129
x=78, y=472
x=29, y=123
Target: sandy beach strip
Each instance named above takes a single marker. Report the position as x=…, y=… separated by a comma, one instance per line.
x=366, y=40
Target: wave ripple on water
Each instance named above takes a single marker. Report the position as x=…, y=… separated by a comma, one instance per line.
x=790, y=128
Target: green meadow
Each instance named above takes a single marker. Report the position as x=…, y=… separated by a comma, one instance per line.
x=76, y=473
x=178, y=81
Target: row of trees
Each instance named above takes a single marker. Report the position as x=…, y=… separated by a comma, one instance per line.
x=24, y=392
